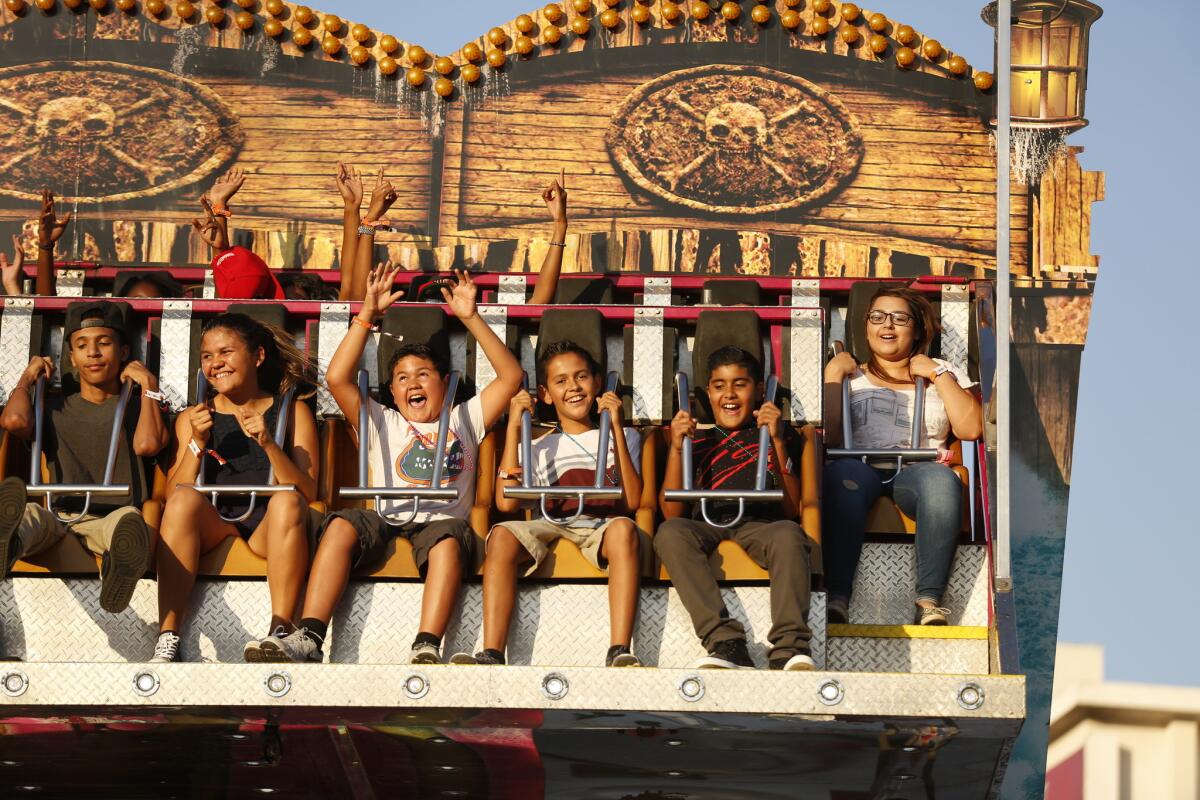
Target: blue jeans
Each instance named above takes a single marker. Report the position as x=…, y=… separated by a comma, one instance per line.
x=927, y=492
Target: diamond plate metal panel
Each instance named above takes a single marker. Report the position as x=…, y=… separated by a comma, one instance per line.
x=511, y=291
x=331, y=329
x=648, y=363
x=934, y=656
x=806, y=366
x=806, y=293
x=837, y=324
x=590, y=688
x=16, y=327
x=175, y=359
x=60, y=620
x=496, y=318
x=69, y=283
x=956, y=323
x=885, y=586
x=209, y=292
x=458, y=351
x=656, y=292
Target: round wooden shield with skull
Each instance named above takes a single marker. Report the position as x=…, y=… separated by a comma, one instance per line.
x=100, y=131
x=733, y=139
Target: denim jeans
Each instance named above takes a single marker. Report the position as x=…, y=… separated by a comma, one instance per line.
x=927, y=492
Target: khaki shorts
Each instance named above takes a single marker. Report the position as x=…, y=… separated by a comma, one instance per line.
x=40, y=529
x=537, y=535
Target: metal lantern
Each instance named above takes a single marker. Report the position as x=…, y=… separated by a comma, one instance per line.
x=1049, y=61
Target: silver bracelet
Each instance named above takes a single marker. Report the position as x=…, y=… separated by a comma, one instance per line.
x=559, y=244
x=366, y=230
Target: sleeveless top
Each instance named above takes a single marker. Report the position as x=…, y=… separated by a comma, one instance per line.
x=246, y=464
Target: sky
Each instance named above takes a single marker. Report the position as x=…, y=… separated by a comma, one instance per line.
x=1127, y=532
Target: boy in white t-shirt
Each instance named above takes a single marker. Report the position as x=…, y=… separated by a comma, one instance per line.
x=400, y=453
x=570, y=380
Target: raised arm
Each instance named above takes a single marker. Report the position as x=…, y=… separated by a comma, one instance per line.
x=50, y=230
x=496, y=394
x=631, y=481
x=383, y=196
x=18, y=416
x=10, y=272
x=342, y=375
x=151, y=434
x=555, y=198
x=682, y=425
x=212, y=229
x=349, y=185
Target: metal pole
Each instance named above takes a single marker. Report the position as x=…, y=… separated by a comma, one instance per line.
x=610, y=385
x=1001, y=552
x=764, y=440
x=39, y=406
x=114, y=438
x=363, y=399
x=685, y=405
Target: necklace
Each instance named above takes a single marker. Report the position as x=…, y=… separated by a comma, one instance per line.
x=579, y=444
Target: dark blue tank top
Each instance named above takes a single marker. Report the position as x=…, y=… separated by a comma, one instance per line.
x=246, y=464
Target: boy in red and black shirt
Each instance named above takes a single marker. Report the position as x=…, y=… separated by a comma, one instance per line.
x=725, y=456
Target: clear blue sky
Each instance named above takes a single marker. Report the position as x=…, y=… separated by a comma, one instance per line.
x=1132, y=553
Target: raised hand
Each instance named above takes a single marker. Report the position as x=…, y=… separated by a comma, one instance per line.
x=50, y=227
x=611, y=402
x=349, y=184
x=682, y=425
x=39, y=367
x=379, y=296
x=461, y=298
x=769, y=415
x=226, y=187
x=555, y=198
x=254, y=425
x=10, y=272
x=383, y=196
x=208, y=228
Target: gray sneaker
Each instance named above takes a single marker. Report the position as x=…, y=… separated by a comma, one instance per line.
x=933, y=616
x=166, y=649
x=296, y=647
x=252, y=652
x=425, y=653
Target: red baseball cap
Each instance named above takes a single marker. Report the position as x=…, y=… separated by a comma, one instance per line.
x=241, y=275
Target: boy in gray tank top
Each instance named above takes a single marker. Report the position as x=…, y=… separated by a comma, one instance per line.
x=76, y=432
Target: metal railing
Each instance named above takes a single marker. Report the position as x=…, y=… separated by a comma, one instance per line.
x=270, y=487
x=414, y=493
x=597, y=491
x=106, y=488
x=760, y=492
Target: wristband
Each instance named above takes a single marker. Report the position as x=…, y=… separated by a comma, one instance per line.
x=505, y=475
x=558, y=244
x=200, y=452
x=159, y=396
x=366, y=230
x=49, y=247
x=363, y=324
x=374, y=224
x=221, y=211
x=195, y=448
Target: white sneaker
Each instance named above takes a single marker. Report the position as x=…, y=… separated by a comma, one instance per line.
x=166, y=649
x=801, y=662
x=425, y=653
x=296, y=647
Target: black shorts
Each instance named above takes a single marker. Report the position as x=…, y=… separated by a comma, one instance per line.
x=374, y=535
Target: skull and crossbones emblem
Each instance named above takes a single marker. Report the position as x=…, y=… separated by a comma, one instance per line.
x=735, y=139
x=102, y=131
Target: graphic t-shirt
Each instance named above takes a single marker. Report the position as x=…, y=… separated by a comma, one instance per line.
x=882, y=416
x=729, y=460
x=401, y=454
x=562, y=460
x=76, y=448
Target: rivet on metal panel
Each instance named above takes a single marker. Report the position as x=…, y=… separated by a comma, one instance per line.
x=831, y=692
x=416, y=686
x=691, y=688
x=806, y=293
x=511, y=290
x=15, y=683
x=970, y=696
x=555, y=686
x=146, y=683
x=277, y=684
x=656, y=292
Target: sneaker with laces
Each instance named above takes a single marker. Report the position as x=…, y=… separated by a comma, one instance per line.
x=801, y=662
x=490, y=658
x=619, y=655
x=729, y=654
x=252, y=652
x=166, y=649
x=125, y=563
x=424, y=653
x=837, y=611
x=296, y=647
x=12, y=509
x=934, y=615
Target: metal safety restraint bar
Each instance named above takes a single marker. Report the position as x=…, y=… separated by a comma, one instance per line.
x=433, y=492
x=597, y=491
x=107, y=488
x=281, y=426
x=760, y=492
x=913, y=453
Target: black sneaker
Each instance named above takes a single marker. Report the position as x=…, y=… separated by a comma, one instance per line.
x=619, y=655
x=12, y=509
x=125, y=563
x=729, y=654
x=491, y=658
x=837, y=611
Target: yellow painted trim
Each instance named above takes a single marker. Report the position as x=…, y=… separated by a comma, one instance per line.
x=909, y=631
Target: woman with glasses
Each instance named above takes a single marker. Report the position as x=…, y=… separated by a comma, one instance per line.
x=900, y=327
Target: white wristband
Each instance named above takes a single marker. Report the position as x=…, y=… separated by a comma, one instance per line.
x=195, y=448
x=158, y=396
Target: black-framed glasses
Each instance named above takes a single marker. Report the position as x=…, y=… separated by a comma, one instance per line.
x=901, y=319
